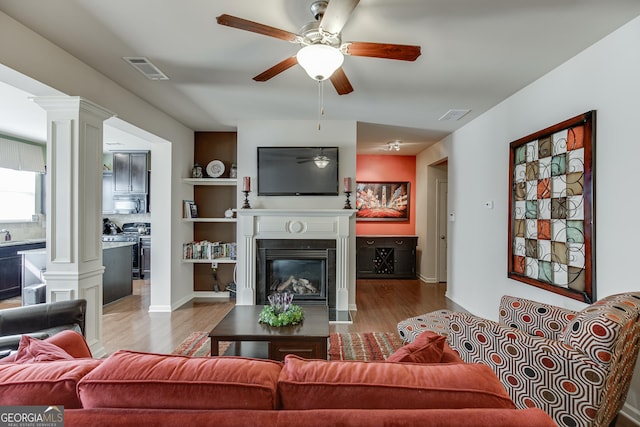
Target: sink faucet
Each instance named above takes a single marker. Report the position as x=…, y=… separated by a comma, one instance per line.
x=7, y=235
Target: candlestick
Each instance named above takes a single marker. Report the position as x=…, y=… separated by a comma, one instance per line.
x=347, y=184
x=246, y=204
x=347, y=204
x=246, y=183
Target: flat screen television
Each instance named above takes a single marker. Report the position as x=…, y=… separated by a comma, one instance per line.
x=297, y=171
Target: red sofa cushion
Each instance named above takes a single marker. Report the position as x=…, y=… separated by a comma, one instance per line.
x=426, y=348
x=129, y=379
x=50, y=383
x=319, y=384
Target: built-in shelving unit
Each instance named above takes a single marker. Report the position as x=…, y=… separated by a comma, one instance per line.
x=210, y=261
x=211, y=181
x=213, y=196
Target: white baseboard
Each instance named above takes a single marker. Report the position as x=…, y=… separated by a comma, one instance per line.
x=427, y=279
x=160, y=309
x=631, y=413
x=211, y=294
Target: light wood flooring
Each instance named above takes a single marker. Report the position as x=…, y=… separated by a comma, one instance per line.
x=127, y=324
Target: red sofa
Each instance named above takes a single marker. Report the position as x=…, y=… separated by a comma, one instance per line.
x=134, y=389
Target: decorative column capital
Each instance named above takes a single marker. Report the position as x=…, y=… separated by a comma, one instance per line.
x=74, y=103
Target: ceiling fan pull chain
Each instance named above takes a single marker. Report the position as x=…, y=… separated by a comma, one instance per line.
x=320, y=102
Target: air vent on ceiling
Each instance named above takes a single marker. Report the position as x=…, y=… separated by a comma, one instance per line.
x=145, y=66
x=454, y=115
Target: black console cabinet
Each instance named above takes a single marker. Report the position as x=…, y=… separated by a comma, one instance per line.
x=379, y=257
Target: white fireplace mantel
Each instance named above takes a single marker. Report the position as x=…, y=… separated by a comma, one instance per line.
x=285, y=224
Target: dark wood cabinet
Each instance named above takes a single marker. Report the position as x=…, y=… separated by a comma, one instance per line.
x=11, y=268
x=386, y=257
x=130, y=172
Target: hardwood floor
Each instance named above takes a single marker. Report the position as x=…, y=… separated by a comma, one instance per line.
x=127, y=324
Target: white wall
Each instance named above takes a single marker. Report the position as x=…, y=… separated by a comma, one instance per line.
x=34, y=58
x=604, y=77
x=341, y=133
x=289, y=133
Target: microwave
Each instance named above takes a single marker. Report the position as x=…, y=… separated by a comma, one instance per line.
x=130, y=204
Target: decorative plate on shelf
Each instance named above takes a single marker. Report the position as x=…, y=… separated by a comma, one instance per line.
x=215, y=168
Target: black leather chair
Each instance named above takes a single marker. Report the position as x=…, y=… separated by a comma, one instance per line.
x=40, y=321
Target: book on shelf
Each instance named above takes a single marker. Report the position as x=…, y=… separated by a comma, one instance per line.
x=206, y=250
x=190, y=209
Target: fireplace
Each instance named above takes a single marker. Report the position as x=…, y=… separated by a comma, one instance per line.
x=306, y=268
x=328, y=230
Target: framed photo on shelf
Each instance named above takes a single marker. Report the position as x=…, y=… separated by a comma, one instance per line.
x=382, y=201
x=190, y=209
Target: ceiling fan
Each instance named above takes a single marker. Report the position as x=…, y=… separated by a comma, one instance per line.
x=322, y=49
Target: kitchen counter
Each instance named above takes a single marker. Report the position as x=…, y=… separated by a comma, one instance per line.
x=117, y=278
x=21, y=242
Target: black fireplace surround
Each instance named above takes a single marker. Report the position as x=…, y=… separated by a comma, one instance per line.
x=304, y=267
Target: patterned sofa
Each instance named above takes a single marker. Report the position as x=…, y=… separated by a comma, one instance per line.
x=576, y=366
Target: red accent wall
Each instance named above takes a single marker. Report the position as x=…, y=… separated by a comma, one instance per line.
x=388, y=168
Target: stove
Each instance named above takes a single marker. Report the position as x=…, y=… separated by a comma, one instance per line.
x=121, y=237
x=131, y=232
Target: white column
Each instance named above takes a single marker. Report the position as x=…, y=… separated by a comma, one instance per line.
x=342, y=264
x=246, y=286
x=74, y=206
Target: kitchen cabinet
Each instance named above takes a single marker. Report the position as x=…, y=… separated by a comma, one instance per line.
x=117, y=279
x=145, y=257
x=130, y=172
x=386, y=257
x=11, y=267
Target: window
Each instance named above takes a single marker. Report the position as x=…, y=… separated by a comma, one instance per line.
x=18, y=192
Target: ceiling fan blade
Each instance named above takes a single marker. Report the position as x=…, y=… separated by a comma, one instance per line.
x=337, y=14
x=402, y=52
x=276, y=69
x=341, y=82
x=255, y=27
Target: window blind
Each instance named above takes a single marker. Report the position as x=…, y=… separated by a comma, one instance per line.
x=21, y=156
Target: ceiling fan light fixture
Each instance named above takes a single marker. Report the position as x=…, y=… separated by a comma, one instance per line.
x=321, y=161
x=320, y=61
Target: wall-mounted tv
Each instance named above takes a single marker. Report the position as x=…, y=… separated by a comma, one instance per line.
x=298, y=171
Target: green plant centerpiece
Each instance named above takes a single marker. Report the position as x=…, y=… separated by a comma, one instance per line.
x=281, y=311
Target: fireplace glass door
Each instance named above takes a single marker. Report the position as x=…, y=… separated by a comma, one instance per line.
x=304, y=278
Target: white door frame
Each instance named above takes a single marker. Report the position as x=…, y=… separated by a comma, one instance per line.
x=441, y=229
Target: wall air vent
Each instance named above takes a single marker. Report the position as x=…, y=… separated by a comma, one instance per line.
x=145, y=66
x=454, y=115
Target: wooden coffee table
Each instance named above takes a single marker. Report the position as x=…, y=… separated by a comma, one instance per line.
x=240, y=325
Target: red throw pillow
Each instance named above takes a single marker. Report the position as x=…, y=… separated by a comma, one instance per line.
x=427, y=348
x=34, y=350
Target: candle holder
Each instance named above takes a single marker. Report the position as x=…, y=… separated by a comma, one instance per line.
x=246, y=204
x=347, y=204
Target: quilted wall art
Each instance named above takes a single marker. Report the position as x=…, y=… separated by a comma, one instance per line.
x=551, y=220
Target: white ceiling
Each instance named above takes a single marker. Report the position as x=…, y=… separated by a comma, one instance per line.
x=475, y=53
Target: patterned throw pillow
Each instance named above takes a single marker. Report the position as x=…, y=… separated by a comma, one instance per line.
x=595, y=330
